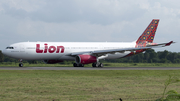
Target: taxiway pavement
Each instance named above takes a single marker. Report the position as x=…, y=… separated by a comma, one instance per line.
x=89, y=68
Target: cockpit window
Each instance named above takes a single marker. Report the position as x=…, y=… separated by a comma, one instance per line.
x=9, y=47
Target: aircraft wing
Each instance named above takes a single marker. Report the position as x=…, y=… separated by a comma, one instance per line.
x=110, y=51
x=122, y=50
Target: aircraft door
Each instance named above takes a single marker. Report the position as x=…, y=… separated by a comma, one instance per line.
x=22, y=48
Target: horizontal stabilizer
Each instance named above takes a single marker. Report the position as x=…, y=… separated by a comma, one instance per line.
x=161, y=45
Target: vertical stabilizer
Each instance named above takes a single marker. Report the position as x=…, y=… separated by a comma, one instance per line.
x=148, y=35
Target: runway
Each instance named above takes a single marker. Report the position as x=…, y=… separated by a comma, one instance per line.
x=89, y=68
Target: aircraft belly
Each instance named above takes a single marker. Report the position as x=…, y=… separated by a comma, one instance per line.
x=40, y=56
x=64, y=57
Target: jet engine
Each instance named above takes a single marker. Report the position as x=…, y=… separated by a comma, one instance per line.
x=85, y=59
x=52, y=61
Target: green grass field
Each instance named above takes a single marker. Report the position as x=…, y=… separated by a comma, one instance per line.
x=84, y=85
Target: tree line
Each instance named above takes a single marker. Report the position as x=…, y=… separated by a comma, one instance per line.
x=149, y=56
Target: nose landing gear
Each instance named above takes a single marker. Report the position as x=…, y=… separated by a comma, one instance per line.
x=20, y=63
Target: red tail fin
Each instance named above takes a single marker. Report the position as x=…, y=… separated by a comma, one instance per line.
x=148, y=34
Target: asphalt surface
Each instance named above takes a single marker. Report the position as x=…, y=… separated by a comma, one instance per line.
x=89, y=68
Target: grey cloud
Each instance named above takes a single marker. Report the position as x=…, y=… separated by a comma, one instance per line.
x=16, y=13
x=69, y=11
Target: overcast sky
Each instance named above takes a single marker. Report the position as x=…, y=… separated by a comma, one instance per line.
x=88, y=21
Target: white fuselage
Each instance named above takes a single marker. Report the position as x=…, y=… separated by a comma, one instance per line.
x=62, y=50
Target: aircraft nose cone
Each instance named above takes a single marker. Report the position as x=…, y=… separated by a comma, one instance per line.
x=4, y=52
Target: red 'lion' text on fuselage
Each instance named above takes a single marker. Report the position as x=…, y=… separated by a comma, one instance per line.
x=50, y=49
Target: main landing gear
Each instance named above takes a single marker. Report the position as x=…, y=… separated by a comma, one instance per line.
x=97, y=64
x=20, y=63
x=78, y=65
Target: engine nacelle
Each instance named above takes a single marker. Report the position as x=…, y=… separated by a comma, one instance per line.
x=85, y=59
x=52, y=61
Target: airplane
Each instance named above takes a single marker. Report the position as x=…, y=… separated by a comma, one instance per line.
x=84, y=52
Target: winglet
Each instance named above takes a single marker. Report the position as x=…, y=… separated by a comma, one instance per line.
x=169, y=43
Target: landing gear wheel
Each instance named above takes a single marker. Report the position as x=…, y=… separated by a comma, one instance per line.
x=81, y=65
x=100, y=65
x=97, y=65
x=78, y=65
x=75, y=65
x=94, y=65
x=20, y=65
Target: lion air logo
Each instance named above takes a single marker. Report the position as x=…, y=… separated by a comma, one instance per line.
x=49, y=49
